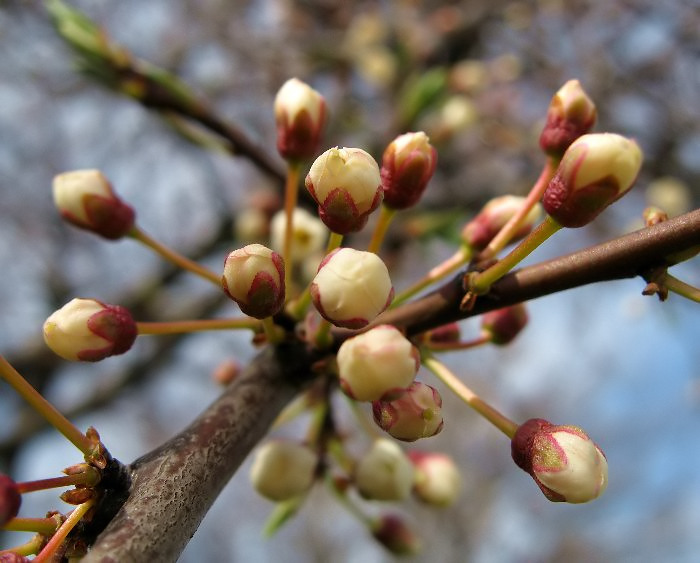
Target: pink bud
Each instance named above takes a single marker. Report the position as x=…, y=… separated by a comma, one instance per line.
x=300, y=113
x=346, y=185
x=445, y=334
x=254, y=278
x=10, y=499
x=571, y=114
x=417, y=413
x=437, y=481
x=85, y=198
x=407, y=166
x=503, y=325
x=88, y=330
x=596, y=170
x=393, y=533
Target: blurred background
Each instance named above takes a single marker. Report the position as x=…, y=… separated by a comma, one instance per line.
x=477, y=76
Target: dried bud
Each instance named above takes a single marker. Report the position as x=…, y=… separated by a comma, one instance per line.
x=571, y=114
x=653, y=216
x=564, y=462
x=78, y=496
x=596, y=170
x=10, y=499
x=88, y=330
x=379, y=363
x=283, y=470
x=393, y=533
x=346, y=185
x=309, y=234
x=445, y=334
x=85, y=198
x=384, y=472
x=407, y=165
x=417, y=413
x=437, y=479
x=300, y=113
x=254, y=278
x=351, y=287
x=503, y=325
x=478, y=233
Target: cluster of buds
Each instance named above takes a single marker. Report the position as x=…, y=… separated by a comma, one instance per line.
x=283, y=470
x=86, y=199
x=408, y=164
x=415, y=414
x=88, y=330
x=351, y=287
x=254, y=278
x=300, y=114
x=564, y=462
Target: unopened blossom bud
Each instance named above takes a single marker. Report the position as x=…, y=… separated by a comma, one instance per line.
x=416, y=413
x=283, y=470
x=384, y=472
x=10, y=499
x=407, y=165
x=445, y=334
x=653, y=216
x=571, y=114
x=379, y=363
x=564, y=462
x=254, y=278
x=596, y=170
x=478, y=233
x=88, y=330
x=437, y=479
x=300, y=113
x=351, y=287
x=346, y=185
x=85, y=198
x=226, y=371
x=503, y=325
x=393, y=533
x=309, y=234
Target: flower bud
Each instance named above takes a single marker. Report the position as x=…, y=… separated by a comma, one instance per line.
x=407, y=165
x=351, y=287
x=384, y=472
x=300, y=113
x=571, y=114
x=393, y=533
x=478, y=233
x=254, y=278
x=503, y=325
x=596, y=170
x=376, y=364
x=309, y=234
x=85, y=198
x=437, y=479
x=564, y=462
x=10, y=499
x=88, y=330
x=417, y=413
x=283, y=470
x=445, y=334
x=346, y=185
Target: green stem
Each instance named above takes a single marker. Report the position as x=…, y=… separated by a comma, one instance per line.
x=45, y=526
x=504, y=424
x=452, y=346
x=55, y=542
x=386, y=215
x=274, y=333
x=508, y=230
x=174, y=257
x=348, y=504
x=291, y=191
x=458, y=259
x=323, y=336
x=334, y=241
x=44, y=408
x=179, y=327
x=370, y=429
x=480, y=283
x=29, y=548
x=681, y=288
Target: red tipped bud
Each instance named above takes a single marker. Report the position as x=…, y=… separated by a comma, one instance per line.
x=384, y=472
x=503, y=325
x=407, y=165
x=564, y=462
x=85, y=198
x=254, y=278
x=417, y=413
x=571, y=114
x=346, y=185
x=88, y=330
x=300, y=113
x=377, y=364
x=437, y=480
x=445, y=334
x=351, y=287
x=283, y=470
x=479, y=232
x=596, y=170
x=393, y=533
x=10, y=499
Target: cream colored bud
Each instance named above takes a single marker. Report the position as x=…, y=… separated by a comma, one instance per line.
x=479, y=232
x=283, y=470
x=300, y=113
x=384, y=472
x=309, y=234
x=407, y=166
x=437, y=480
